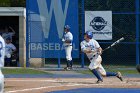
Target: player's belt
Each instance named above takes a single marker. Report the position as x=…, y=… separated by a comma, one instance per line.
x=92, y=57
x=67, y=45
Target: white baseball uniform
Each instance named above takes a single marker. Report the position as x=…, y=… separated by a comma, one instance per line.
x=2, y=55
x=94, y=58
x=68, y=46
x=8, y=49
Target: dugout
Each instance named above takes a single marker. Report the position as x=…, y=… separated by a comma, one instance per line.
x=15, y=18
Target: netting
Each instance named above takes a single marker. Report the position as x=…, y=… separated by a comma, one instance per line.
x=124, y=24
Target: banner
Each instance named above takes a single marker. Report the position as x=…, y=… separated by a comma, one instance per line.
x=46, y=21
x=100, y=23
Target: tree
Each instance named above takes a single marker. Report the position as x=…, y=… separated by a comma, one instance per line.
x=18, y=3
x=12, y=3
x=4, y=3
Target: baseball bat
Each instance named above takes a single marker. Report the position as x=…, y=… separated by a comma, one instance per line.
x=115, y=43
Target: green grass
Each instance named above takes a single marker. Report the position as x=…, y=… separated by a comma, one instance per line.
x=123, y=71
x=22, y=71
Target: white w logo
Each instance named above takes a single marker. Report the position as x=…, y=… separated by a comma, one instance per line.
x=60, y=16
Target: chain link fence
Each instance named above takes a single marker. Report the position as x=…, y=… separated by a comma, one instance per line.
x=124, y=24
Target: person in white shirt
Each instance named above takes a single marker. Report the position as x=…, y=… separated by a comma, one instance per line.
x=67, y=42
x=2, y=55
x=93, y=51
x=7, y=34
x=9, y=50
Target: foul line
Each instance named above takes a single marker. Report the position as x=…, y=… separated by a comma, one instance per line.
x=30, y=89
x=32, y=80
x=69, y=84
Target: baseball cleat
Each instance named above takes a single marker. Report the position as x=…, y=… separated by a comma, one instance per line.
x=67, y=68
x=99, y=81
x=119, y=76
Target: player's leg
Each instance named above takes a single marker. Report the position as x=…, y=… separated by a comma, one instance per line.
x=108, y=74
x=95, y=72
x=104, y=73
x=118, y=75
x=68, y=57
x=101, y=70
x=95, y=63
x=7, y=61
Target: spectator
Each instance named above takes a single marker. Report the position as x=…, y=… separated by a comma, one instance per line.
x=9, y=50
x=7, y=34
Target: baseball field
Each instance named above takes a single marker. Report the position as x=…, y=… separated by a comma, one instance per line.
x=78, y=80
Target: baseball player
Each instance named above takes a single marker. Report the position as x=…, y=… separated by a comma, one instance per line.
x=2, y=54
x=93, y=51
x=67, y=42
x=9, y=49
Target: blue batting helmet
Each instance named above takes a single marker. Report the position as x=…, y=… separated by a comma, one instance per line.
x=67, y=27
x=89, y=34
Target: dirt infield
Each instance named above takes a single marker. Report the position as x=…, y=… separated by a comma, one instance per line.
x=44, y=85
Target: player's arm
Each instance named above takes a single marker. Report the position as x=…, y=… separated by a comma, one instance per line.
x=66, y=41
x=84, y=49
x=99, y=51
x=13, y=48
x=69, y=40
x=87, y=51
x=12, y=30
x=98, y=48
